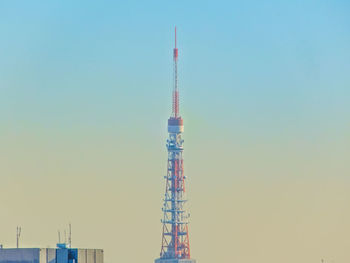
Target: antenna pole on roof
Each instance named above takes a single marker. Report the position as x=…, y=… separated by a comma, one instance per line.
x=18, y=235
x=70, y=236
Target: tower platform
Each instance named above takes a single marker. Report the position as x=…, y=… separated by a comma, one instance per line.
x=169, y=260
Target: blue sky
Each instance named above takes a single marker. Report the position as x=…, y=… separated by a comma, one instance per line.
x=283, y=59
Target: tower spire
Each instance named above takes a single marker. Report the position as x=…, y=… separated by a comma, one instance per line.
x=175, y=88
x=175, y=37
x=175, y=238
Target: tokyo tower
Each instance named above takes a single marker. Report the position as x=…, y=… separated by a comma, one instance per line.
x=175, y=246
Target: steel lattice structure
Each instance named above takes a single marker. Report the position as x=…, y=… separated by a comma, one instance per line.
x=175, y=238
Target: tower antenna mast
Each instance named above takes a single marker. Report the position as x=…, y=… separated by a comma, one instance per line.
x=175, y=88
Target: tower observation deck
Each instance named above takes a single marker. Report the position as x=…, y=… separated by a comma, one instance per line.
x=175, y=246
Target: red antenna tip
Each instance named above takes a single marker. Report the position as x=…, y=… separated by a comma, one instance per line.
x=175, y=49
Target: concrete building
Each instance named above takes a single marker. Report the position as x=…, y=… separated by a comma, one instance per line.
x=50, y=255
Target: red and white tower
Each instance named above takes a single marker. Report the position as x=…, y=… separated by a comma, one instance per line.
x=175, y=238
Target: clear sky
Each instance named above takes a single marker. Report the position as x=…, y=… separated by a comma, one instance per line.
x=85, y=92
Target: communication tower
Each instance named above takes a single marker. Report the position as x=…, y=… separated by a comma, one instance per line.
x=175, y=238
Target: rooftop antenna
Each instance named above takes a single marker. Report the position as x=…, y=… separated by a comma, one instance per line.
x=59, y=236
x=18, y=235
x=70, y=236
x=65, y=237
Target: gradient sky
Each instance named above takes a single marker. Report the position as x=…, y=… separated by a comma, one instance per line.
x=85, y=91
